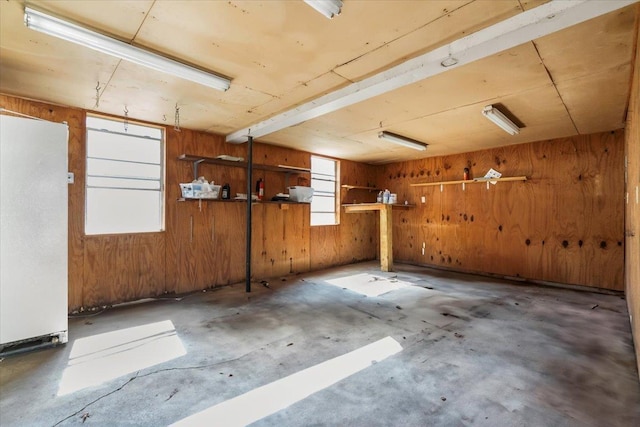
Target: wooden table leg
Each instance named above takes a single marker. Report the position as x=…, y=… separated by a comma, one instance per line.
x=386, y=239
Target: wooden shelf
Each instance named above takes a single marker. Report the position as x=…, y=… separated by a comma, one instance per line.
x=359, y=187
x=470, y=181
x=197, y=160
x=278, y=202
x=361, y=207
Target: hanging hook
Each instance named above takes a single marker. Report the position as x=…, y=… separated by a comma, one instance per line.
x=126, y=119
x=97, y=96
x=164, y=117
x=176, y=125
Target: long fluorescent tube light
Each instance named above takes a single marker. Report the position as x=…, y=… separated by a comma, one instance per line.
x=493, y=114
x=402, y=140
x=56, y=27
x=328, y=8
x=519, y=29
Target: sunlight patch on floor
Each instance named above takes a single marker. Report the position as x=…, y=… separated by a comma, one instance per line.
x=271, y=398
x=100, y=358
x=369, y=284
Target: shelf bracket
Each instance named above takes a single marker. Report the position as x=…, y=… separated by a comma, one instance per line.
x=196, y=165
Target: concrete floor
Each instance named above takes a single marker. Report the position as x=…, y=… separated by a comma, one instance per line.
x=463, y=350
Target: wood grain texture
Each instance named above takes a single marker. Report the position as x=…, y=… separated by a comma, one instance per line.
x=123, y=268
x=632, y=207
x=354, y=239
x=564, y=224
x=280, y=243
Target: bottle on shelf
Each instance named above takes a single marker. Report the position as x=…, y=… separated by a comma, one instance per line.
x=385, y=196
x=226, y=192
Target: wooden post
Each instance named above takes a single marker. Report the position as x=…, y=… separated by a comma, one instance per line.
x=386, y=238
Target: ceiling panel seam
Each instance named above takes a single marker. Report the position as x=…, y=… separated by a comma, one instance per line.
x=573, y=123
x=144, y=19
x=115, y=69
x=385, y=44
x=522, y=28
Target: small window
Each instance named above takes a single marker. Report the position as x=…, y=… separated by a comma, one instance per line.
x=125, y=177
x=323, y=181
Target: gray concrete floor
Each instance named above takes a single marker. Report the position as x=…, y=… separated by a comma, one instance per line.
x=473, y=351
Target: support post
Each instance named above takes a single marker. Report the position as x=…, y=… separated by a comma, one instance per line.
x=386, y=238
x=249, y=189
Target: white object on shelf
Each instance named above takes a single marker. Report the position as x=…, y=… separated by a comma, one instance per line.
x=230, y=158
x=196, y=190
x=300, y=194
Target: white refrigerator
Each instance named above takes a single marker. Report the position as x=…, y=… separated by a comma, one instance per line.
x=33, y=231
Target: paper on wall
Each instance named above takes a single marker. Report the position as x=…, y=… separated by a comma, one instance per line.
x=492, y=174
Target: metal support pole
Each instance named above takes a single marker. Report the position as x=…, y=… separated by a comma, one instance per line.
x=249, y=189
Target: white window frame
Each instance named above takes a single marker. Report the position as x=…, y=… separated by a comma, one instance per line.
x=160, y=179
x=324, y=194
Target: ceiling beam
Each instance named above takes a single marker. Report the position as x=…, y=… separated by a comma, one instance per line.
x=543, y=20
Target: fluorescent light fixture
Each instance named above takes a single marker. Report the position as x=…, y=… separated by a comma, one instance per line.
x=328, y=8
x=493, y=114
x=519, y=29
x=52, y=26
x=402, y=140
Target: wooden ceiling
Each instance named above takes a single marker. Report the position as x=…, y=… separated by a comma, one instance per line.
x=280, y=54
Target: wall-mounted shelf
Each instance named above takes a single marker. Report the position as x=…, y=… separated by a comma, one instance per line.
x=197, y=160
x=469, y=181
x=359, y=187
x=361, y=207
x=276, y=202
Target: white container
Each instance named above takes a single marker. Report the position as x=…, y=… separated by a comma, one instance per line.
x=300, y=194
x=393, y=198
x=194, y=190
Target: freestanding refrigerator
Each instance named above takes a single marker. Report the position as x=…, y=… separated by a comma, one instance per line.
x=33, y=232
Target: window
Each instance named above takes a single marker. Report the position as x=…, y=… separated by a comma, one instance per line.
x=125, y=174
x=323, y=181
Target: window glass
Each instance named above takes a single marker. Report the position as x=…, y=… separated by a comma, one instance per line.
x=323, y=181
x=124, y=182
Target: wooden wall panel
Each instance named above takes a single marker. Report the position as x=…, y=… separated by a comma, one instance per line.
x=280, y=242
x=123, y=268
x=203, y=243
x=632, y=206
x=565, y=224
x=75, y=118
x=355, y=238
x=229, y=237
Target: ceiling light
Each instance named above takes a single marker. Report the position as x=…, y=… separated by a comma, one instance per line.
x=44, y=23
x=449, y=62
x=328, y=8
x=493, y=114
x=402, y=140
x=517, y=30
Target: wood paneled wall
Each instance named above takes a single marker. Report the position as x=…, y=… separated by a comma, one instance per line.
x=564, y=224
x=203, y=244
x=355, y=238
x=632, y=218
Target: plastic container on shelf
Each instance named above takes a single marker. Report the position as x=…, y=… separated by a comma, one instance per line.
x=385, y=196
